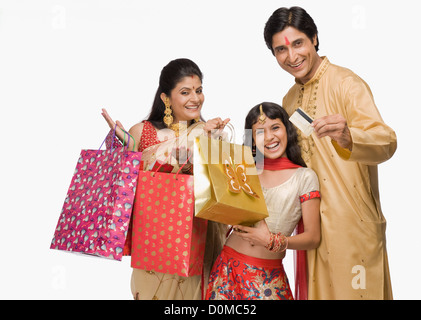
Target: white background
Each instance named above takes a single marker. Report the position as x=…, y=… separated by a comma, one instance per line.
x=61, y=61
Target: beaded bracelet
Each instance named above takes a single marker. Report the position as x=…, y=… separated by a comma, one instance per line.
x=277, y=243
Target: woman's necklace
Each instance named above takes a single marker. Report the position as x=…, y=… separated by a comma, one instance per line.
x=178, y=127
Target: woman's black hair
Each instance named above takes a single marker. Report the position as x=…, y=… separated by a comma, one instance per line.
x=295, y=17
x=273, y=111
x=171, y=74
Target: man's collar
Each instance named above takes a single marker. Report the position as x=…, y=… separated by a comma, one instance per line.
x=319, y=73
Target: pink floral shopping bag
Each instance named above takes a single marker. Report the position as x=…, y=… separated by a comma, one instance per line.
x=96, y=213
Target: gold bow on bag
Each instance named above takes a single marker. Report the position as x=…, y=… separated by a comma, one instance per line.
x=226, y=186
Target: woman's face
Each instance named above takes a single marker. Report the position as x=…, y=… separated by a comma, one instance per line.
x=186, y=99
x=271, y=138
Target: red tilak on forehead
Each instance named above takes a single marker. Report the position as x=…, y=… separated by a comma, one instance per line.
x=287, y=41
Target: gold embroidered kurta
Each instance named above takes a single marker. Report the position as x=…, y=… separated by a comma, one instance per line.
x=351, y=261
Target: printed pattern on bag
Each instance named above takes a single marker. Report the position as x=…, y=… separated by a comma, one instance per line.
x=96, y=213
x=167, y=237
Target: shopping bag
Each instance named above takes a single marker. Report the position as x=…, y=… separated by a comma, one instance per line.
x=167, y=237
x=96, y=212
x=226, y=186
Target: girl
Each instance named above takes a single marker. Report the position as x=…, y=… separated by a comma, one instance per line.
x=176, y=108
x=250, y=264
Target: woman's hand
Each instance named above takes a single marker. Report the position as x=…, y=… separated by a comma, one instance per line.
x=215, y=126
x=184, y=158
x=120, y=132
x=257, y=236
x=110, y=121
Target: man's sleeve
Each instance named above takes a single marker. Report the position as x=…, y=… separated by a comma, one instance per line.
x=373, y=141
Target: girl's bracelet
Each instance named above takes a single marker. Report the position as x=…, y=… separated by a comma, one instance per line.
x=277, y=243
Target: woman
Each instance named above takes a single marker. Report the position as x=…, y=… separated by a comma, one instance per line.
x=250, y=265
x=175, y=112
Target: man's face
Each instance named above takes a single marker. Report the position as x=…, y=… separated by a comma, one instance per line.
x=296, y=53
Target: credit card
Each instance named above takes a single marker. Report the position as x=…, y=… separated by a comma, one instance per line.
x=302, y=121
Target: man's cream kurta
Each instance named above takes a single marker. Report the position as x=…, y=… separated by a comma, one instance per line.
x=351, y=262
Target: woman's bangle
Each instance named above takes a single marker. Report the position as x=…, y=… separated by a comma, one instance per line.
x=277, y=243
x=187, y=169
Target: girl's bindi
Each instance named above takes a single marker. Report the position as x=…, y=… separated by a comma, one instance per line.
x=287, y=41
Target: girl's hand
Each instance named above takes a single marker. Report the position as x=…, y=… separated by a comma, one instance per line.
x=215, y=125
x=257, y=236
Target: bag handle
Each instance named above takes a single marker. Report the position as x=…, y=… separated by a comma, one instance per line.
x=232, y=136
x=231, y=127
x=181, y=167
x=124, y=139
x=128, y=140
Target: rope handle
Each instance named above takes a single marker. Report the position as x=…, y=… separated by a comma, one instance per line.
x=124, y=140
x=182, y=166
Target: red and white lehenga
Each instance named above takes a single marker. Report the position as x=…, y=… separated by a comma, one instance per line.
x=238, y=276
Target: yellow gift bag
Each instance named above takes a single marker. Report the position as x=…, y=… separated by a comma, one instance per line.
x=226, y=186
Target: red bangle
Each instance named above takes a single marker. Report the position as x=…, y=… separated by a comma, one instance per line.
x=277, y=243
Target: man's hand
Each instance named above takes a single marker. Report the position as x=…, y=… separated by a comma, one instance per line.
x=335, y=127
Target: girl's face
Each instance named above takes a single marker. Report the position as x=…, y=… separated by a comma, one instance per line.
x=271, y=138
x=186, y=99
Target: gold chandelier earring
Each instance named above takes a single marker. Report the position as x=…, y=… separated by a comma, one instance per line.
x=168, y=118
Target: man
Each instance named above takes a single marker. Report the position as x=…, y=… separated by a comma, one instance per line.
x=349, y=140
